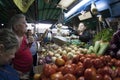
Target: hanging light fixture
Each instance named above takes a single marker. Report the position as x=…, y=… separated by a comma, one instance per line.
x=85, y=15
x=65, y=3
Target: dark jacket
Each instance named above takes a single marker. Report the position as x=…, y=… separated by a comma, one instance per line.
x=86, y=36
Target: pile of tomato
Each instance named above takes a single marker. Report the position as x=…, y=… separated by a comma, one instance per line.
x=82, y=67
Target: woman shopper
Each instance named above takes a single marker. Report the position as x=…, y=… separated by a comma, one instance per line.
x=33, y=48
x=8, y=46
x=33, y=45
x=23, y=58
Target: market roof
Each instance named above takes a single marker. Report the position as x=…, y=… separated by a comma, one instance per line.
x=39, y=10
x=47, y=10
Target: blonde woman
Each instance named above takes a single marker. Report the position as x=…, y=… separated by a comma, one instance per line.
x=8, y=46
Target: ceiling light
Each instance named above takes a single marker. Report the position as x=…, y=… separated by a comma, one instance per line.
x=85, y=15
x=76, y=7
x=65, y=3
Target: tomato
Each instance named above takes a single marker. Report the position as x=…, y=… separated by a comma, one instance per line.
x=81, y=78
x=117, y=70
x=99, y=77
x=69, y=77
x=107, y=77
x=87, y=63
x=113, y=61
x=68, y=69
x=117, y=63
x=79, y=70
x=97, y=63
x=56, y=76
x=64, y=57
x=49, y=69
x=90, y=74
x=116, y=78
x=68, y=62
x=59, y=62
x=76, y=59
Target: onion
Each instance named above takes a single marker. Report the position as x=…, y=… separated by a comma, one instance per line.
x=48, y=59
x=36, y=76
x=69, y=77
x=53, y=59
x=41, y=61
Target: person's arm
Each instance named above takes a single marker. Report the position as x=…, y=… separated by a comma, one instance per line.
x=43, y=36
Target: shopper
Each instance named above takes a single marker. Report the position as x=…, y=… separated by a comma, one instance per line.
x=33, y=45
x=33, y=48
x=23, y=58
x=8, y=46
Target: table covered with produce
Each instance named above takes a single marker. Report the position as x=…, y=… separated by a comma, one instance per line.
x=73, y=62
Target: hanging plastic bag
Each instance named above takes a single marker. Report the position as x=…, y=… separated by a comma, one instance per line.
x=23, y=5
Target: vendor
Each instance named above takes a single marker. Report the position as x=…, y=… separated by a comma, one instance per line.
x=84, y=33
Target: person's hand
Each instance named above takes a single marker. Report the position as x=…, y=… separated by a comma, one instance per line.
x=30, y=39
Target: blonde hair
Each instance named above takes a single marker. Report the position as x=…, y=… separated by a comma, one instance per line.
x=8, y=39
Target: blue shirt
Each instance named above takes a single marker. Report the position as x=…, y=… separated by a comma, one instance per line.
x=8, y=73
x=33, y=48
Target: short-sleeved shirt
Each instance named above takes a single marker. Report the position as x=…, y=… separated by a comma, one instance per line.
x=23, y=58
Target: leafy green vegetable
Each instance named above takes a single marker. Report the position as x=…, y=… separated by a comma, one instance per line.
x=105, y=35
x=97, y=37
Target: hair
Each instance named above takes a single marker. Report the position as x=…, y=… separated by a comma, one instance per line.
x=82, y=23
x=8, y=39
x=15, y=20
x=27, y=33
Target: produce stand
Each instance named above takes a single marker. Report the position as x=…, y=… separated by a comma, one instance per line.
x=71, y=61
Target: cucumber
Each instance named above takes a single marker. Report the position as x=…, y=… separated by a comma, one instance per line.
x=96, y=46
x=90, y=50
x=103, y=47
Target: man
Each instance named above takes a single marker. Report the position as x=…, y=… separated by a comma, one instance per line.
x=23, y=58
